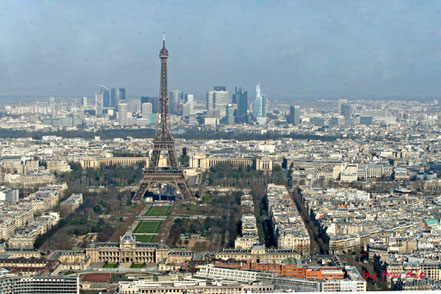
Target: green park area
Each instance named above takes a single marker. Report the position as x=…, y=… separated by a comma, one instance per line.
x=137, y=265
x=145, y=238
x=111, y=265
x=158, y=211
x=147, y=227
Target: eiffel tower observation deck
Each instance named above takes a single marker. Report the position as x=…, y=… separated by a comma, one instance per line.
x=163, y=142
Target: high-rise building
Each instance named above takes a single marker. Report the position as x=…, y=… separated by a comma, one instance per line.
x=296, y=120
x=260, y=104
x=186, y=109
x=339, y=103
x=175, y=97
x=217, y=101
x=153, y=100
x=241, y=98
x=99, y=104
x=113, y=98
x=290, y=116
x=122, y=94
x=234, y=98
x=133, y=105
x=122, y=114
x=117, y=96
x=294, y=115
x=210, y=101
x=51, y=101
x=84, y=102
x=146, y=110
x=264, y=105
x=189, y=99
x=346, y=110
x=106, y=96
x=230, y=114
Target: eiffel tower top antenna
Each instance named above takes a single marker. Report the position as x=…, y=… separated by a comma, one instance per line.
x=163, y=40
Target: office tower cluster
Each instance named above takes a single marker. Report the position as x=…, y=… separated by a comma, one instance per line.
x=181, y=104
x=345, y=109
x=114, y=104
x=107, y=101
x=222, y=109
x=217, y=101
x=340, y=102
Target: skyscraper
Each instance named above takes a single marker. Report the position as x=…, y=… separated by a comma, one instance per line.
x=241, y=98
x=209, y=102
x=122, y=114
x=217, y=101
x=290, y=116
x=258, y=106
x=186, y=111
x=264, y=105
x=294, y=115
x=189, y=99
x=113, y=98
x=339, y=103
x=84, y=102
x=230, y=112
x=106, y=96
x=221, y=100
x=146, y=110
x=117, y=96
x=346, y=110
x=51, y=101
x=133, y=105
x=175, y=96
x=234, y=98
x=99, y=103
x=153, y=100
x=122, y=94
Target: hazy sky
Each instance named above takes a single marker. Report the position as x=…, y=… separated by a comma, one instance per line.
x=294, y=48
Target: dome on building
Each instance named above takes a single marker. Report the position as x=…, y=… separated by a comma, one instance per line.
x=128, y=239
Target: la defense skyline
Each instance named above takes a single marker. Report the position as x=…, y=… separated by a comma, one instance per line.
x=295, y=49
x=115, y=91
x=110, y=94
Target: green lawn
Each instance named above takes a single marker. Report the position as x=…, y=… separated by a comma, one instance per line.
x=158, y=211
x=137, y=265
x=111, y=265
x=148, y=227
x=145, y=238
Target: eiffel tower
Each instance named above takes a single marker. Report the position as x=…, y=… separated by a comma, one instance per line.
x=163, y=141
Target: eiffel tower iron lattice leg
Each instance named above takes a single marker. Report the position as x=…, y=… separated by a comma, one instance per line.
x=154, y=175
x=151, y=179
